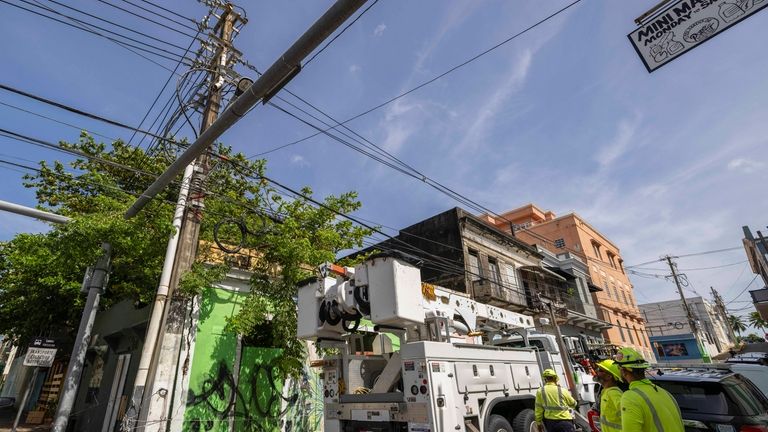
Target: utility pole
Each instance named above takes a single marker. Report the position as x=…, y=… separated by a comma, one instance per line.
x=724, y=312
x=564, y=354
x=688, y=314
x=96, y=281
x=163, y=352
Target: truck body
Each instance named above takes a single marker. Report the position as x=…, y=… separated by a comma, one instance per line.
x=412, y=357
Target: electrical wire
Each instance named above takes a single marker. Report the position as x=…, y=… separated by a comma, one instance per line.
x=87, y=27
x=81, y=112
x=688, y=255
x=744, y=290
x=327, y=44
x=165, y=17
x=146, y=19
x=124, y=45
x=154, y=38
x=57, y=121
x=170, y=77
x=439, y=76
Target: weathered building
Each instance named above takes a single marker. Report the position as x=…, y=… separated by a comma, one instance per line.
x=571, y=233
x=459, y=251
x=670, y=333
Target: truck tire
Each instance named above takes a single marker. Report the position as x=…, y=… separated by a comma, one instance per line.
x=524, y=420
x=498, y=423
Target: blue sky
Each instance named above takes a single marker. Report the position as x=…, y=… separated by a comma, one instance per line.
x=565, y=116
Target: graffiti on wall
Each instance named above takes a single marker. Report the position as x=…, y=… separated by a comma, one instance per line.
x=258, y=400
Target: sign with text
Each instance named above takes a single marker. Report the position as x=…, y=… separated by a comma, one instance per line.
x=41, y=353
x=686, y=24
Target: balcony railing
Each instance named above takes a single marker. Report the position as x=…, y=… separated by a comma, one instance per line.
x=496, y=294
x=759, y=296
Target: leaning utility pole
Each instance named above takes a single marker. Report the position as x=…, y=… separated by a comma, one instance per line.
x=688, y=314
x=724, y=312
x=95, y=281
x=165, y=358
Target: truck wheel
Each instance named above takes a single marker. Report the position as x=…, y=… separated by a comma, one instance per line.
x=524, y=421
x=498, y=423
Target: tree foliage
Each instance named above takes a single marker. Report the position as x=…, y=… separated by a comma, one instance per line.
x=737, y=324
x=756, y=321
x=41, y=274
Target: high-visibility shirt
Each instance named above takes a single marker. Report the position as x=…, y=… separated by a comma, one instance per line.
x=552, y=403
x=610, y=409
x=646, y=407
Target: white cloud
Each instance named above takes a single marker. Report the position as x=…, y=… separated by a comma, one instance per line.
x=625, y=133
x=299, y=160
x=483, y=122
x=379, y=30
x=745, y=165
x=355, y=68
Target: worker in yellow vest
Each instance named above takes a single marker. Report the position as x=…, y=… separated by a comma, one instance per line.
x=645, y=407
x=609, y=376
x=553, y=405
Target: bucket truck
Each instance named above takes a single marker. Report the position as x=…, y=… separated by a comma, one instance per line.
x=413, y=357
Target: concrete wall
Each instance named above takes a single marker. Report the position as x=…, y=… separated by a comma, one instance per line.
x=258, y=397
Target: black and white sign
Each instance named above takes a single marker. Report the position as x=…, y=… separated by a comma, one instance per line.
x=686, y=24
x=41, y=353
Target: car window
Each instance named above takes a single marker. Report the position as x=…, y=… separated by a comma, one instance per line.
x=704, y=397
x=746, y=396
x=729, y=397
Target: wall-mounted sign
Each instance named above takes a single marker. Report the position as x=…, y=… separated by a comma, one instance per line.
x=686, y=24
x=41, y=353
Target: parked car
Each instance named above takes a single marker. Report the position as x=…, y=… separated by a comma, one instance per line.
x=715, y=399
x=753, y=366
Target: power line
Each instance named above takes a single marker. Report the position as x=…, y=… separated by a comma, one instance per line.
x=145, y=18
x=117, y=25
x=696, y=269
x=165, y=17
x=449, y=71
x=170, y=77
x=87, y=27
x=687, y=255
x=742, y=291
x=57, y=121
x=327, y=44
x=125, y=45
x=81, y=112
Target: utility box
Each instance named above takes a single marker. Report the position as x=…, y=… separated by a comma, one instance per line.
x=308, y=325
x=394, y=291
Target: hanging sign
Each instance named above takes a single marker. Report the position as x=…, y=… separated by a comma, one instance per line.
x=686, y=24
x=40, y=353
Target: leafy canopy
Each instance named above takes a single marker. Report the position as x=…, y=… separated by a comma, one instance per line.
x=41, y=274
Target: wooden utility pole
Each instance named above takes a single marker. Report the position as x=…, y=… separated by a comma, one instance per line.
x=154, y=395
x=688, y=314
x=724, y=313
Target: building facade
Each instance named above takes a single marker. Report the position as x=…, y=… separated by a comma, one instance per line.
x=670, y=333
x=461, y=252
x=615, y=302
x=757, y=254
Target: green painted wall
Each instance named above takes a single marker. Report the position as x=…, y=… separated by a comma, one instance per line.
x=262, y=400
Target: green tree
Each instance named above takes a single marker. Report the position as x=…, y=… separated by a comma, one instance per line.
x=756, y=321
x=41, y=274
x=737, y=324
x=753, y=338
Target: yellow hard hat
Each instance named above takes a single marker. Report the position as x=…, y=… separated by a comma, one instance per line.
x=631, y=359
x=549, y=373
x=611, y=367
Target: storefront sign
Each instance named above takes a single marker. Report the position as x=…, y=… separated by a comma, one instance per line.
x=686, y=24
